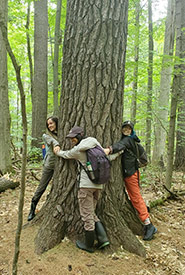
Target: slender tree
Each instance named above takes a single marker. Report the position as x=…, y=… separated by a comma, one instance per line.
x=5, y=145
x=165, y=84
x=17, y=68
x=29, y=49
x=92, y=97
x=136, y=59
x=40, y=81
x=150, y=80
x=56, y=56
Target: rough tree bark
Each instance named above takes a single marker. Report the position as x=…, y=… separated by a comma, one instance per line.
x=92, y=97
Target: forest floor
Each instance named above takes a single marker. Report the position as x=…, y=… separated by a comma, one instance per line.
x=165, y=253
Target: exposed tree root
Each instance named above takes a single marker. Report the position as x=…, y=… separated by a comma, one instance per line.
x=169, y=195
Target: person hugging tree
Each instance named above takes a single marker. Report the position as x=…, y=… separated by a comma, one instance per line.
x=131, y=174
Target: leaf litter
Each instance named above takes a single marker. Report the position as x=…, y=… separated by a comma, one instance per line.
x=165, y=253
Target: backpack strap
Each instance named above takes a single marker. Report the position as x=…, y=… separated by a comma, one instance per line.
x=137, y=150
x=82, y=166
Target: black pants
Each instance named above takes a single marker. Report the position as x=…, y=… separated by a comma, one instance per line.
x=47, y=175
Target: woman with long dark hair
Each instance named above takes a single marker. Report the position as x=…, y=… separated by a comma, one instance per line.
x=50, y=140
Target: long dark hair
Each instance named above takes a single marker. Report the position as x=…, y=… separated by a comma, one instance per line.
x=54, y=119
x=79, y=138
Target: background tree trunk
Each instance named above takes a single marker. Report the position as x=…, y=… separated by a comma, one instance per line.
x=150, y=81
x=29, y=50
x=136, y=59
x=175, y=90
x=40, y=85
x=5, y=144
x=56, y=56
x=165, y=84
x=92, y=97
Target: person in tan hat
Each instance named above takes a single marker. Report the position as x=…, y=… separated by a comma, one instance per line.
x=88, y=193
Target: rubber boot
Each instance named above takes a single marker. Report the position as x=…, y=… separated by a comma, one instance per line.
x=32, y=211
x=149, y=231
x=89, y=242
x=101, y=235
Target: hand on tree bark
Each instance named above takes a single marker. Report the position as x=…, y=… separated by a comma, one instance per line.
x=56, y=149
x=107, y=151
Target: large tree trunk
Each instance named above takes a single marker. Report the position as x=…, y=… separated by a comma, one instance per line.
x=40, y=85
x=150, y=81
x=177, y=85
x=92, y=97
x=5, y=145
x=165, y=84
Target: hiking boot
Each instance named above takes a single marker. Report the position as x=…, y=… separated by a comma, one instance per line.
x=32, y=211
x=149, y=231
x=101, y=235
x=89, y=242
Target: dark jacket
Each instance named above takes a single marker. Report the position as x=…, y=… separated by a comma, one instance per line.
x=128, y=161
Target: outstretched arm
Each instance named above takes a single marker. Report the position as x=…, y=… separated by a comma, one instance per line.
x=110, y=156
x=68, y=154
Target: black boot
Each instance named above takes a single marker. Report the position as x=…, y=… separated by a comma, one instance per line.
x=89, y=242
x=32, y=211
x=149, y=231
x=101, y=235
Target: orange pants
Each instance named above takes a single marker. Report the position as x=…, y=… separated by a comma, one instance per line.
x=132, y=186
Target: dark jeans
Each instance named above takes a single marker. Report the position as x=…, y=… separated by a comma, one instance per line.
x=47, y=175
